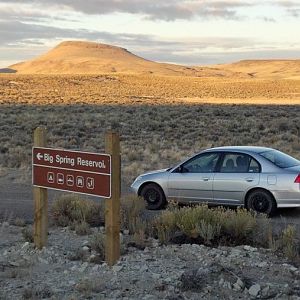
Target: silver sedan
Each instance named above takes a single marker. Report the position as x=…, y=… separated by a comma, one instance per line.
x=258, y=178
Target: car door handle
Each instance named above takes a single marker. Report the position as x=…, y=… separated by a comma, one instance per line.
x=249, y=179
x=205, y=178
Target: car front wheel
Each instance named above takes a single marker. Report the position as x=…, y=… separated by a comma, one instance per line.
x=261, y=201
x=154, y=196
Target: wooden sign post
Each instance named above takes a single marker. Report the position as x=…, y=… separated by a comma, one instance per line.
x=40, y=197
x=80, y=172
x=112, y=205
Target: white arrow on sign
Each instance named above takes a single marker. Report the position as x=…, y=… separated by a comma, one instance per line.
x=39, y=156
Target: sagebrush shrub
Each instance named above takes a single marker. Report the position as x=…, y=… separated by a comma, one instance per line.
x=97, y=242
x=165, y=226
x=208, y=231
x=239, y=223
x=235, y=226
x=187, y=221
x=28, y=234
x=71, y=208
x=132, y=208
x=82, y=228
x=289, y=242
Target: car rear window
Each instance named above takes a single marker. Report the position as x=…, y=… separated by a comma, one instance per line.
x=239, y=163
x=280, y=159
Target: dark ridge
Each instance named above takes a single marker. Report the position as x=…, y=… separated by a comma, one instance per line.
x=8, y=70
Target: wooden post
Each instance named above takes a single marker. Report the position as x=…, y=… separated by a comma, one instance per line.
x=40, y=197
x=112, y=205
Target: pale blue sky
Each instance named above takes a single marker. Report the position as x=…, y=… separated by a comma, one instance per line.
x=193, y=32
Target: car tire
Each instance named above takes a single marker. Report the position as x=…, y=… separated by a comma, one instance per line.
x=154, y=196
x=261, y=201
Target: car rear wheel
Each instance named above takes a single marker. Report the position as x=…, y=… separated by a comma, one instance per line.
x=261, y=201
x=154, y=196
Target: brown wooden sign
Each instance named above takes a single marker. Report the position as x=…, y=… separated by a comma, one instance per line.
x=73, y=171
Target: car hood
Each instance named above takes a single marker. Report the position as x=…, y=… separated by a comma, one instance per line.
x=155, y=172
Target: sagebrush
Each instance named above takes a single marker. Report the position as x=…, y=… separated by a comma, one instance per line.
x=70, y=208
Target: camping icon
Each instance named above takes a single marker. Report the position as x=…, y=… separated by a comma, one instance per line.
x=50, y=177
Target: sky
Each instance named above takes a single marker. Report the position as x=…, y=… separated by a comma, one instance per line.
x=190, y=32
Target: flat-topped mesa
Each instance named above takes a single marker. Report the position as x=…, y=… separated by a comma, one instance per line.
x=89, y=45
x=80, y=57
x=76, y=50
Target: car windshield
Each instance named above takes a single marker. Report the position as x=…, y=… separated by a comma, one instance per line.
x=280, y=159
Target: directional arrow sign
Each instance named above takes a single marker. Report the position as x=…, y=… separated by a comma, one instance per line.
x=39, y=156
x=73, y=171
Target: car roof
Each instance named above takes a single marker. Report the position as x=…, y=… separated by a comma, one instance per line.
x=254, y=149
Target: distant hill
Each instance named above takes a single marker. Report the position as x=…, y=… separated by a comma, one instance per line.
x=266, y=68
x=78, y=57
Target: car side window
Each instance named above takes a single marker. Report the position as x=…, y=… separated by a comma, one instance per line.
x=239, y=163
x=254, y=166
x=204, y=163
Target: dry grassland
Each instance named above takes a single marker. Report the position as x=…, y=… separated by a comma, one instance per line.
x=142, y=89
x=161, y=119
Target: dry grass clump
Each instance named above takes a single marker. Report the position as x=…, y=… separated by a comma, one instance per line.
x=133, y=221
x=132, y=208
x=81, y=228
x=89, y=286
x=289, y=244
x=286, y=243
x=207, y=225
x=207, y=231
x=70, y=209
x=28, y=234
x=165, y=226
x=239, y=223
x=97, y=242
x=19, y=222
x=139, y=238
x=220, y=226
x=37, y=292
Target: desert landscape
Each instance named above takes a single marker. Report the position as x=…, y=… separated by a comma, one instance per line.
x=164, y=113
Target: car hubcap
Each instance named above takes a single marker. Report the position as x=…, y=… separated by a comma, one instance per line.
x=152, y=196
x=260, y=203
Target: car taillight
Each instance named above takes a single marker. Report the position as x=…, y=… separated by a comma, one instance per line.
x=297, y=180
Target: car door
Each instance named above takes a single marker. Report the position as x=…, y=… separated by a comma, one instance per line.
x=236, y=174
x=193, y=180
